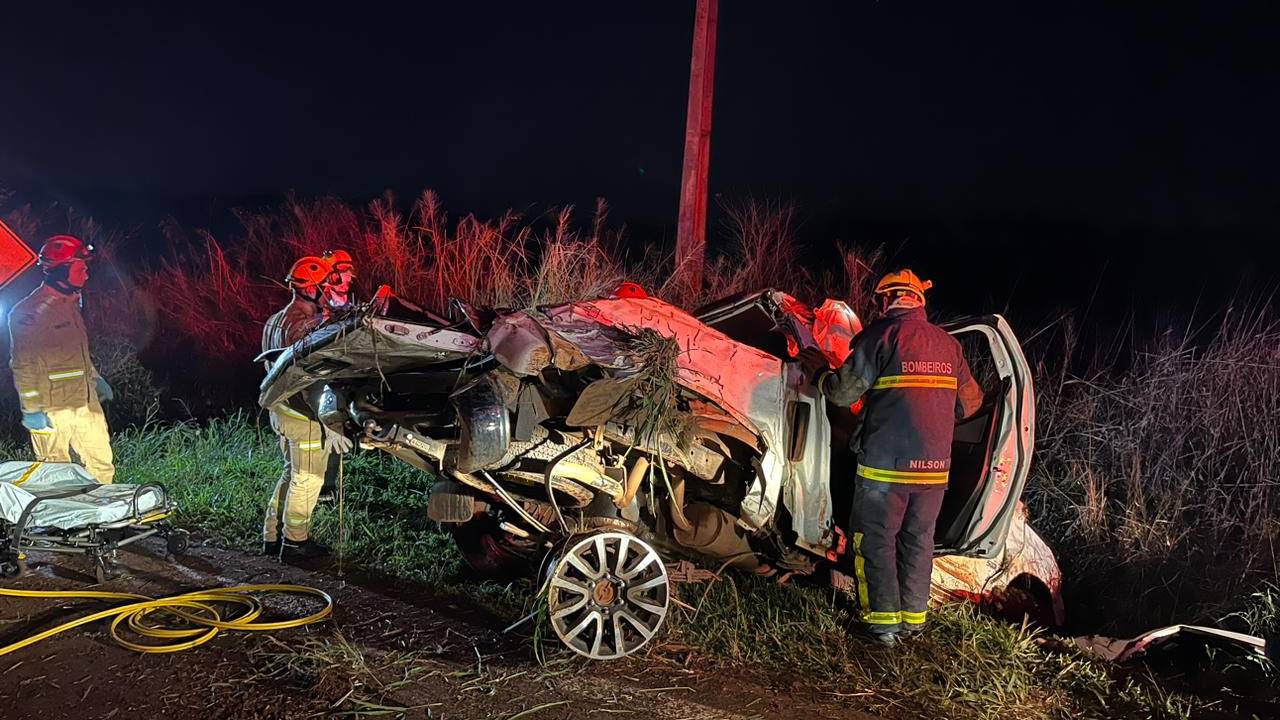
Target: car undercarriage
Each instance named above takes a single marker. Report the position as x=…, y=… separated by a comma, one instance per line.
x=587, y=444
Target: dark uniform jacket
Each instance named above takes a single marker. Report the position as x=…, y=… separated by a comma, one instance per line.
x=917, y=384
x=288, y=326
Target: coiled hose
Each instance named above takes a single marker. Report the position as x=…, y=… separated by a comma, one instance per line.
x=199, y=609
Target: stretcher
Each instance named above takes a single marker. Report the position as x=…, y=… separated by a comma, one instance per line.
x=60, y=507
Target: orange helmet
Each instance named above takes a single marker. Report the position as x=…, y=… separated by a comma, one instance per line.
x=61, y=250
x=308, y=272
x=903, y=281
x=340, y=260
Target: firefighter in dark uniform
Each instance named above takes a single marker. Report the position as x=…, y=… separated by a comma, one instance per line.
x=916, y=385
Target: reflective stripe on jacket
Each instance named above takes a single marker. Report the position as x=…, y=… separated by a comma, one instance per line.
x=917, y=384
x=49, y=351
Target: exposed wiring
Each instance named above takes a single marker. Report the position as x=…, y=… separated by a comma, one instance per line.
x=199, y=610
x=546, y=478
x=510, y=501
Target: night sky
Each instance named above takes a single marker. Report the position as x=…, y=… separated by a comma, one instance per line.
x=1018, y=153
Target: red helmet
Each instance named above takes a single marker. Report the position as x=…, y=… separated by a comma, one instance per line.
x=628, y=289
x=308, y=272
x=340, y=260
x=61, y=250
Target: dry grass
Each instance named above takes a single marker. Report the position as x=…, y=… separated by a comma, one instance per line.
x=218, y=292
x=762, y=251
x=209, y=295
x=1161, y=483
x=968, y=666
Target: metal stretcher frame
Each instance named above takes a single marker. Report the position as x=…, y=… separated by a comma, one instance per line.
x=98, y=541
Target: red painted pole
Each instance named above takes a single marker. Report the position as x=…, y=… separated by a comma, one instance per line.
x=691, y=229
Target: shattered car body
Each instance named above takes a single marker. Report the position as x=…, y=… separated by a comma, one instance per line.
x=1237, y=672
x=613, y=432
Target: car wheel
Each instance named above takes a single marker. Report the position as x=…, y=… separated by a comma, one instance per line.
x=608, y=595
x=491, y=552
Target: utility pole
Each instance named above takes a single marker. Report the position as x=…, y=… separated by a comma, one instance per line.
x=691, y=229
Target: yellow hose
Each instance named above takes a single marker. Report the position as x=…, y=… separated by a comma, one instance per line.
x=197, y=608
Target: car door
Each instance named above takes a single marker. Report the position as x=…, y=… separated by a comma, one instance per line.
x=362, y=347
x=774, y=322
x=991, y=453
x=760, y=319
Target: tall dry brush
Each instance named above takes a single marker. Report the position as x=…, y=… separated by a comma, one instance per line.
x=1160, y=483
x=218, y=292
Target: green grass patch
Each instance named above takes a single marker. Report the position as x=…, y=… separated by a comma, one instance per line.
x=222, y=472
x=969, y=666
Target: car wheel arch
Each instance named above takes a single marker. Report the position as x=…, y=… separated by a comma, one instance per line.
x=1045, y=611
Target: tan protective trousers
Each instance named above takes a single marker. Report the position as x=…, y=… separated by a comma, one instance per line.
x=83, y=429
x=294, y=498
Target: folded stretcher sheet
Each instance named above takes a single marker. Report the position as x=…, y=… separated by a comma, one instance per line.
x=21, y=483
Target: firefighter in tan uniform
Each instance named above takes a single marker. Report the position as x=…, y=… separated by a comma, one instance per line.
x=305, y=443
x=338, y=301
x=338, y=297
x=57, y=385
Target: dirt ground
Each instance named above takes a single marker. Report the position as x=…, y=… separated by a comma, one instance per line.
x=462, y=665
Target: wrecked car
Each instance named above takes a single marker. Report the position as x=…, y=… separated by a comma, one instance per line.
x=588, y=443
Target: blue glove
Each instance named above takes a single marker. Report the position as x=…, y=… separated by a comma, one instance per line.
x=37, y=420
x=104, y=390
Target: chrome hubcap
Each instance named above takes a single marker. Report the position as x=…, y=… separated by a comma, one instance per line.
x=608, y=595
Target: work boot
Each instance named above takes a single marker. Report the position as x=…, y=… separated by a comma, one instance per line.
x=883, y=638
x=271, y=548
x=888, y=640
x=304, y=550
x=912, y=630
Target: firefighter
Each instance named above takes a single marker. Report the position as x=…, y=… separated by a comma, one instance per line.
x=58, y=387
x=338, y=300
x=916, y=385
x=337, y=291
x=305, y=443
